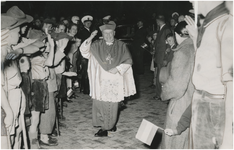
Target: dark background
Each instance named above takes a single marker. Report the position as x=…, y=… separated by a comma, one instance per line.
x=130, y=9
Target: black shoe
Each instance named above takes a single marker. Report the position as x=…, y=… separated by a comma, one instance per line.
x=48, y=143
x=113, y=129
x=101, y=133
x=122, y=106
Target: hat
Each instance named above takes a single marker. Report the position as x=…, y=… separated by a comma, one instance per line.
x=19, y=15
x=175, y=13
x=87, y=18
x=160, y=17
x=106, y=17
x=49, y=21
x=110, y=25
x=75, y=19
x=7, y=22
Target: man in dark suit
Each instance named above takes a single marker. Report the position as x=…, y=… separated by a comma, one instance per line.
x=137, y=52
x=160, y=48
x=137, y=49
x=83, y=35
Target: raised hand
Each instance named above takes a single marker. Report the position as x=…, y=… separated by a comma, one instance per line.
x=192, y=27
x=93, y=34
x=50, y=40
x=14, y=54
x=61, y=44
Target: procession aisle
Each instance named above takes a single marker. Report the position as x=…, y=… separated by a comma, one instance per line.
x=79, y=133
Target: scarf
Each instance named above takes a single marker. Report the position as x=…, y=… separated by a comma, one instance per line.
x=214, y=13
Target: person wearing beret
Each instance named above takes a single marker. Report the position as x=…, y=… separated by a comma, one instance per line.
x=110, y=74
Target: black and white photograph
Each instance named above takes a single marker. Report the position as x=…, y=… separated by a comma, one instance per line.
x=116, y=74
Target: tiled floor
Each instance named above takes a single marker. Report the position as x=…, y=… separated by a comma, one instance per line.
x=79, y=133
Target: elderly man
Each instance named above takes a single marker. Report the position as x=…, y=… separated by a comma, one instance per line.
x=110, y=75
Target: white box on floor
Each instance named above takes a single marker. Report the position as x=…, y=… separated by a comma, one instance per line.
x=146, y=132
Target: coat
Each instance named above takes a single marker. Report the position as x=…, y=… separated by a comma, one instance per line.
x=179, y=90
x=137, y=51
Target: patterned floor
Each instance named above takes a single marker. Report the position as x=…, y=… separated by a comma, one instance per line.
x=79, y=133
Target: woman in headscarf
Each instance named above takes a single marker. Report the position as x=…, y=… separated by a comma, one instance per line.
x=178, y=87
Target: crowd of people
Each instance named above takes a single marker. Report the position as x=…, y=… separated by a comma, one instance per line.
x=43, y=61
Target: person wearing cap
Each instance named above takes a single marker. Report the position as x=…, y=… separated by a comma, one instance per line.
x=175, y=15
x=178, y=88
x=83, y=35
x=29, y=46
x=13, y=72
x=106, y=19
x=160, y=48
x=7, y=116
x=86, y=31
x=110, y=74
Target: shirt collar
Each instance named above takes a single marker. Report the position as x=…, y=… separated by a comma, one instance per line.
x=218, y=11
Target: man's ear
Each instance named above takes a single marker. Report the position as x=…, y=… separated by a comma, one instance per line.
x=114, y=33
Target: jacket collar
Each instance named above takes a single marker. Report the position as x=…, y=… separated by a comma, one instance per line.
x=185, y=42
x=214, y=14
